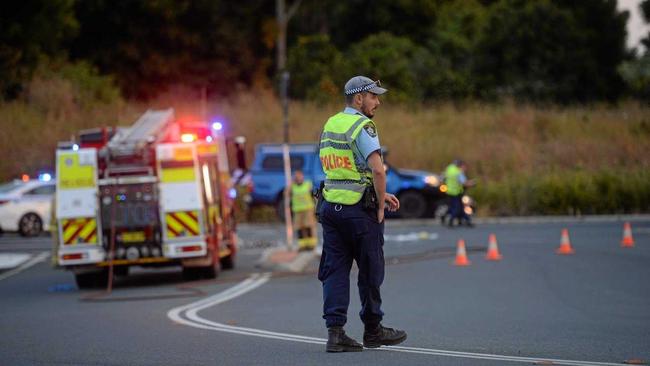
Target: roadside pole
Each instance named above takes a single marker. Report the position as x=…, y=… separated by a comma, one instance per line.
x=284, y=86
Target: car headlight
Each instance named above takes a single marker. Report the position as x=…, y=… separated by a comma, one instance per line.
x=432, y=180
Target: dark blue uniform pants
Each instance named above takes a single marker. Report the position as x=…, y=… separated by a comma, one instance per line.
x=457, y=210
x=351, y=233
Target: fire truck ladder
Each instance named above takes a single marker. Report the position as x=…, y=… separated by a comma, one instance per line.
x=128, y=151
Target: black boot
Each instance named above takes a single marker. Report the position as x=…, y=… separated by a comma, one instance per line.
x=382, y=336
x=338, y=341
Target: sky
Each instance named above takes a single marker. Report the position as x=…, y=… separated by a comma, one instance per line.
x=636, y=27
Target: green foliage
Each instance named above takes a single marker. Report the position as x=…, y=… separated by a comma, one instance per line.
x=636, y=74
x=568, y=193
x=453, y=43
x=397, y=61
x=552, y=50
x=29, y=31
x=543, y=50
x=152, y=45
x=315, y=66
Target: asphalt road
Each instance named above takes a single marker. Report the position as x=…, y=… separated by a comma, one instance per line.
x=533, y=306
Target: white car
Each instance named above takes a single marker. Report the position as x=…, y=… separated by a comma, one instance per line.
x=25, y=207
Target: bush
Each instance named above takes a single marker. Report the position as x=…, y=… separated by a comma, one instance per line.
x=567, y=193
x=58, y=101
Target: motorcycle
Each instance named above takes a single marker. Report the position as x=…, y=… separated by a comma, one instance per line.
x=468, y=206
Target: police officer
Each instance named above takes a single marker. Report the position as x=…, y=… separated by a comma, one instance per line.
x=456, y=182
x=352, y=216
x=302, y=205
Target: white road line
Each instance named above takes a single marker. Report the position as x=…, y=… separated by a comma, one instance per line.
x=36, y=259
x=188, y=315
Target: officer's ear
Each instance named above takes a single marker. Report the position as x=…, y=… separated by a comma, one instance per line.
x=358, y=99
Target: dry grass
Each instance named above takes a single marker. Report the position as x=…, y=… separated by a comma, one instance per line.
x=498, y=141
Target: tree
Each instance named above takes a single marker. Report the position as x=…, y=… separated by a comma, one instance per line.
x=397, y=61
x=456, y=33
x=150, y=45
x=315, y=66
x=552, y=50
x=31, y=30
x=282, y=19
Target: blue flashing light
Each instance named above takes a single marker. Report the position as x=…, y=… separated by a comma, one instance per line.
x=232, y=193
x=45, y=177
x=75, y=147
x=217, y=126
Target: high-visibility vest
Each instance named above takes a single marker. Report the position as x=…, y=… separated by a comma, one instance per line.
x=301, y=197
x=454, y=188
x=344, y=181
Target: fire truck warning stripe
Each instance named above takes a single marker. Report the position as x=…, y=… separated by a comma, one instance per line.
x=183, y=221
x=188, y=222
x=174, y=227
x=171, y=232
x=73, y=232
x=89, y=232
x=67, y=223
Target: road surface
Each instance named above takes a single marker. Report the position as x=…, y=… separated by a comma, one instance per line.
x=532, y=307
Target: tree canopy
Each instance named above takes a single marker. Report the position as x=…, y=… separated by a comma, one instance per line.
x=541, y=50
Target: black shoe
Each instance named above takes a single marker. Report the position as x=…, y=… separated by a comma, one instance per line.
x=338, y=341
x=382, y=336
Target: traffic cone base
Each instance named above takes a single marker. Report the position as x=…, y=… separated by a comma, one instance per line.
x=565, y=244
x=628, y=240
x=493, y=249
x=461, y=254
x=565, y=250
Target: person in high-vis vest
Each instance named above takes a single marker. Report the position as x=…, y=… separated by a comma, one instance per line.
x=302, y=206
x=456, y=182
x=352, y=217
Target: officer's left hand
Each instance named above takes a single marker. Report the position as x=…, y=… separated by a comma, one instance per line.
x=392, y=202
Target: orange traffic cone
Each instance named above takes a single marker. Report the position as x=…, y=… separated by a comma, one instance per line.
x=493, y=249
x=565, y=244
x=461, y=254
x=628, y=240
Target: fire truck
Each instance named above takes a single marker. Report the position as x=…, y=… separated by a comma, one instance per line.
x=157, y=193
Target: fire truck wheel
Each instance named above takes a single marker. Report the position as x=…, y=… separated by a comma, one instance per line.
x=212, y=271
x=91, y=279
x=191, y=273
x=121, y=271
x=30, y=225
x=197, y=273
x=228, y=262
